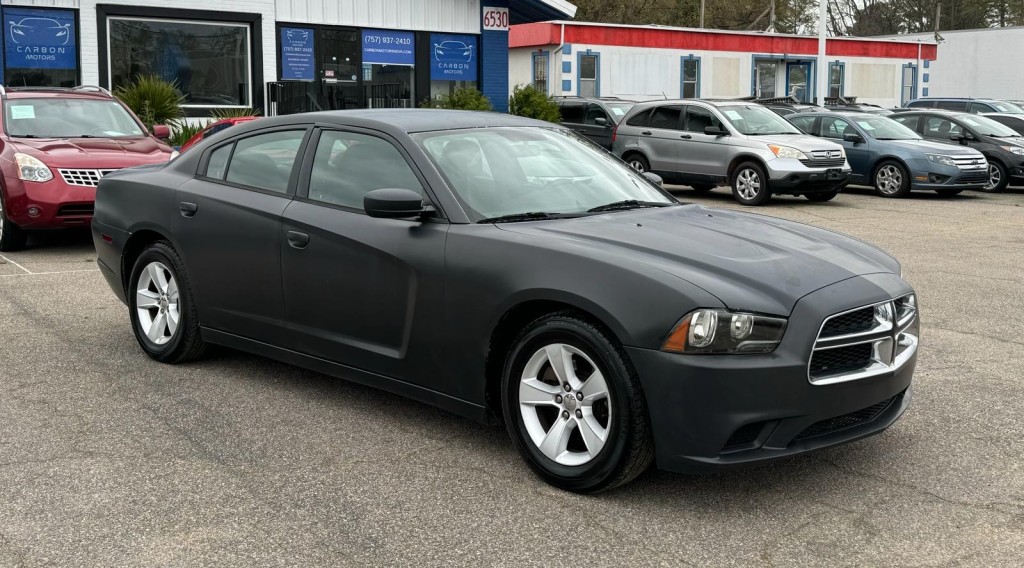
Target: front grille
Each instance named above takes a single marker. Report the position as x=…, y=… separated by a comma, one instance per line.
x=824, y=163
x=75, y=209
x=847, y=421
x=971, y=163
x=865, y=341
x=857, y=321
x=85, y=178
x=975, y=176
x=743, y=437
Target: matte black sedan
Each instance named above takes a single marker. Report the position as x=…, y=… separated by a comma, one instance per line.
x=503, y=268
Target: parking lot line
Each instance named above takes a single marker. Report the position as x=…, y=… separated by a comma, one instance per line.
x=27, y=271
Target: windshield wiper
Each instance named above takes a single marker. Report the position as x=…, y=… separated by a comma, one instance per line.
x=530, y=216
x=627, y=204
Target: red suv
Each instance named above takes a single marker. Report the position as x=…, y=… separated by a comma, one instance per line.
x=55, y=145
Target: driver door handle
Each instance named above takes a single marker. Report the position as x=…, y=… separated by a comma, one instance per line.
x=646, y=133
x=686, y=137
x=298, y=240
x=188, y=209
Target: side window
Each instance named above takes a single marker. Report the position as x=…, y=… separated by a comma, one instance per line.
x=666, y=117
x=595, y=112
x=804, y=123
x=218, y=162
x=921, y=104
x=348, y=165
x=215, y=129
x=908, y=121
x=697, y=119
x=265, y=161
x=978, y=108
x=952, y=105
x=834, y=128
x=940, y=128
x=641, y=118
x=572, y=113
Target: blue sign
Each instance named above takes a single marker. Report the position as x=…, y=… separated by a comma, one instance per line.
x=386, y=47
x=453, y=57
x=40, y=39
x=297, y=55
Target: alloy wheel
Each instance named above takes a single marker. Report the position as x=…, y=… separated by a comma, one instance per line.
x=565, y=404
x=157, y=303
x=637, y=165
x=748, y=184
x=889, y=179
x=994, y=177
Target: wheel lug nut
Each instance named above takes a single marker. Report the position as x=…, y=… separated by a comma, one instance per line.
x=579, y=396
x=579, y=414
x=565, y=414
x=558, y=399
x=567, y=388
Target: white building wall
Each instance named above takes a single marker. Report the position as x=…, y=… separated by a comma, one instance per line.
x=983, y=63
x=455, y=16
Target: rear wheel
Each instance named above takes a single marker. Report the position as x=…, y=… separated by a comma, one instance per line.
x=750, y=184
x=702, y=187
x=950, y=192
x=574, y=407
x=638, y=163
x=12, y=237
x=997, y=178
x=822, y=196
x=164, y=317
x=892, y=179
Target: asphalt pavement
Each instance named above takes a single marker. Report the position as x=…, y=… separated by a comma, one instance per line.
x=110, y=459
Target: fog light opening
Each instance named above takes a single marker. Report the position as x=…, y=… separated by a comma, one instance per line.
x=34, y=211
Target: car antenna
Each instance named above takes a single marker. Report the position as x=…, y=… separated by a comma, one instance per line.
x=664, y=95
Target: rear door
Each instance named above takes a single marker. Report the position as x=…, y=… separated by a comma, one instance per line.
x=703, y=157
x=228, y=231
x=362, y=291
x=661, y=140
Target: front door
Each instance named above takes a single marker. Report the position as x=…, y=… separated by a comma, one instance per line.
x=702, y=152
x=798, y=81
x=598, y=125
x=364, y=292
x=834, y=128
x=339, y=68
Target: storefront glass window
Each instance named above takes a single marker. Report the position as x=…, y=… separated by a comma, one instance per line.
x=208, y=61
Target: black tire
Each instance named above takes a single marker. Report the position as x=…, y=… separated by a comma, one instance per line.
x=743, y=177
x=948, y=192
x=184, y=342
x=638, y=162
x=628, y=449
x=702, y=187
x=821, y=196
x=996, y=173
x=891, y=179
x=12, y=237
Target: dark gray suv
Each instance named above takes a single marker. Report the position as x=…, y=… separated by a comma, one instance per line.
x=593, y=118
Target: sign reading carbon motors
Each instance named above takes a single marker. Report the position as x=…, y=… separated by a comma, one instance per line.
x=453, y=57
x=297, y=54
x=40, y=39
x=388, y=47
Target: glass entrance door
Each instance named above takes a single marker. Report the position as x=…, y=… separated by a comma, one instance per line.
x=766, y=79
x=797, y=81
x=339, y=54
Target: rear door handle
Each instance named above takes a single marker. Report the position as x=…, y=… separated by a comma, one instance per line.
x=686, y=137
x=646, y=133
x=188, y=209
x=298, y=240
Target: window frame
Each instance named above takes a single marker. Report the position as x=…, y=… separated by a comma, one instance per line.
x=682, y=77
x=290, y=191
x=306, y=169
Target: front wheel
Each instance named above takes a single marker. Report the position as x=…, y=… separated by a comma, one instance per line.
x=750, y=184
x=12, y=237
x=997, y=178
x=164, y=317
x=822, y=196
x=892, y=180
x=574, y=407
x=638, y=163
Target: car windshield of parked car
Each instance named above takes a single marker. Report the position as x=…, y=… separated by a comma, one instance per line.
x=988, y=127
x=757, y=121
x=534, y=171
x=1003, y=106
x=68, y=118
x=618, y=110
x=881, y=128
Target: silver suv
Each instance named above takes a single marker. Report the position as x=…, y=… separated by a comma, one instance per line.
x=706, y=143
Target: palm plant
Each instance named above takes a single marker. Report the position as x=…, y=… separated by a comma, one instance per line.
x=154, y=100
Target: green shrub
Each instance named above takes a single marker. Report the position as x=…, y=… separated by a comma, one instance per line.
x=181, y=131
x=461, y=99
x=531, y=103
x=154, y=100
x=219, y=113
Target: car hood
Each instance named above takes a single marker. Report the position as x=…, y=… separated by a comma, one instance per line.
x=931, y=146
x=94, y=152
x=802, y=142
x=749, y=262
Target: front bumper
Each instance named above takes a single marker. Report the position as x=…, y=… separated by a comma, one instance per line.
x=711, y=412
x=50, y=204
x=930, y=176
x=792, y=176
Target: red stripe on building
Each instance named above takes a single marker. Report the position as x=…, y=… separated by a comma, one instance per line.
x=530, y=35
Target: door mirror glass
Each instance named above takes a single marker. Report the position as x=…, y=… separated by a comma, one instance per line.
x=393, y=203
x=654, y=178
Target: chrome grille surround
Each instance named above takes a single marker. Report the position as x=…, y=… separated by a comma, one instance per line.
x=888, y=344
x=969, y=163
x=82, y=177
x=824, y=159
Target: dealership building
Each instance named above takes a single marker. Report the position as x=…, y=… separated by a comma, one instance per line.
x=282, y=56
x=645, y=62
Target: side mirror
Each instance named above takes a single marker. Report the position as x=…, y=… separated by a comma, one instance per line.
x=715, y=131
x=393, y=203
x=853, y=137
x=600, y=121
x=654, y=178
x=161, y=131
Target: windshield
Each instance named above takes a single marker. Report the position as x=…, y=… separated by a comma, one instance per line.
x=988, y=127
x=755, y=120
x=497, y=172
x=1003, y=106
x=68, y=118
x=881, y=128
x=618, y=110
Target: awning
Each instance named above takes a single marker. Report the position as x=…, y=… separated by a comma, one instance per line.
x=527, y=11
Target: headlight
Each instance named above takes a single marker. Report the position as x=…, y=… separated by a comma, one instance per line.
x=174, y=154
x=1014, y=150
x=940, y=159
x=787, y=152
x=31, y=169
x=722, y=331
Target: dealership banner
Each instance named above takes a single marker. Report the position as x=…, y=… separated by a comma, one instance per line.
x=388, y=47
x=297, y=55
x=40, y=39
x=453, y=57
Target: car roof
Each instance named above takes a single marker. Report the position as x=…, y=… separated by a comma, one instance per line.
x=401, y=120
